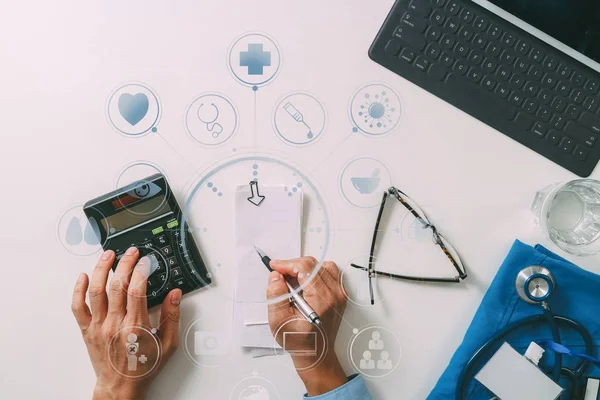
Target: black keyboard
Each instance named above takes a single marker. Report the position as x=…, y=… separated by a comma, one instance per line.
x=499, y=74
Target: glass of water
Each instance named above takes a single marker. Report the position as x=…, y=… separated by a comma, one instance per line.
x=570, y=214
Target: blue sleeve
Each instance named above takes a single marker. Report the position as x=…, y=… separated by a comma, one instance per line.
x=354, y=389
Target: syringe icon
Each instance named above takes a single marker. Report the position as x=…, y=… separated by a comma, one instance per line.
x=298, y=116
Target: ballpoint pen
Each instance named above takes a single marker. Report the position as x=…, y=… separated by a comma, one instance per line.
x=297, y=299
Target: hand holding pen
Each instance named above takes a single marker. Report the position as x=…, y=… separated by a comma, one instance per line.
x=321, y=372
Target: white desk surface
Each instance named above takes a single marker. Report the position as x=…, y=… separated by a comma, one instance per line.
x=61, y=59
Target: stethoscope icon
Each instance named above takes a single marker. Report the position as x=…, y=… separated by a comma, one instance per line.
x=211, y=124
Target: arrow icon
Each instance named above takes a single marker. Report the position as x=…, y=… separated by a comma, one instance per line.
x=256, y=198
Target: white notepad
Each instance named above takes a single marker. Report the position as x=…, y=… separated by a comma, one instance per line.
x=275, y=226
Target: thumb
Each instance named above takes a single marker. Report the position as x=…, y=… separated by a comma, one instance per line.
x=277, y=286
x=278, y=311
x=169, y=325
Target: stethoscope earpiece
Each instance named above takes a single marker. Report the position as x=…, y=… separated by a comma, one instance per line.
x=535, y=284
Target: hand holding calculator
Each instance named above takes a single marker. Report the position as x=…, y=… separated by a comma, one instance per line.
x=145, y=214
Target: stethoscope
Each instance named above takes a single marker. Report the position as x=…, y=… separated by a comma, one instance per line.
x=535, y=284
x=211, y=124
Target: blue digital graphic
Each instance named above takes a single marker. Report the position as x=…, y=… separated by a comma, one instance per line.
x=256, y=59
x=375, y=109
x=133, y=107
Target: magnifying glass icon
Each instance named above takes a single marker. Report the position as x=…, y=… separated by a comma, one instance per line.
x=209, y=116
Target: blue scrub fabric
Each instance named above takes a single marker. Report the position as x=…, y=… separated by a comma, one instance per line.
x=577, y=296
x=354, y=389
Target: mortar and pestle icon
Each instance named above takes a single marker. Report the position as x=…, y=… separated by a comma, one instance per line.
x=367, y=185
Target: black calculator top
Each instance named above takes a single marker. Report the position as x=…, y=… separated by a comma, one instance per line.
x=145, y=214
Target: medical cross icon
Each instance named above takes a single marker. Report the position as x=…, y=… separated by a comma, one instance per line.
x=255, y=59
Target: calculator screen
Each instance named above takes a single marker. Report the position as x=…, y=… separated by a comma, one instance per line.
x=135, y=215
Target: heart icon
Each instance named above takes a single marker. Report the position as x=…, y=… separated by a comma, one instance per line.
x=133, y=107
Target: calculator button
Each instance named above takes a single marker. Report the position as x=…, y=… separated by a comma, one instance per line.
x=162, y=278
x=176, y=273
x=168, y=287
x=153, y=293
x=167, y=250
x=179, y=283
x=161, y=241
x=171, y=261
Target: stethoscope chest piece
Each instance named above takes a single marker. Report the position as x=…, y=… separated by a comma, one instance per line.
x=534, y=284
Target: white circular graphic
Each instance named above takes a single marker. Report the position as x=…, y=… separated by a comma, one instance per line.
x=375, y=109
x=134, y=352
x=138, y=172
x=363, y=182
x=78, y=234
x=205, y=347
x=375, y=352
x=299, y=119
x=303, y=341
x=134, y=109
x=254, y=59
x=355, y=282
x=254, y=388
x=211, y=119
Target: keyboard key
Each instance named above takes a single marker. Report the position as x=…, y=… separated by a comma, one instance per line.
x=433, y=51
x=447, y=41
x=516, y=98
x=453, y=7
x=503, y=73
x=489, y=66
x=495, y=31
x=479, y=41
x=437, y=17
x=559, y=104
x=493, y=49
x=591, y=104
x=502, y=90
x=530, y=106
x=550, y=63
x=466, y=33
x=536, y=55
x=573, y=111
x=549, y=81
x=517, y=81
x=521, y=65
x=508, y=39
x=407, y=55
x=417, y=24
x=567, y=145
x=523, y=47
x=591, y=121
x=452, y=25
x=539, y=129
x=475, y=57
x=563, y=88
x=489, y=83
x=581, y=153
x=474, y=75
x=591, y=86
x=577, y=96
x=421, y=8
x=434, y=33
x=437, y=72
x=460, y=67
x=535, y=73
x=554, y=137
x=447, y=59
x=564, y=71
x=545, y=96
x=466, y=16
x=438, y=3
x=544, y=114
x=530, y=89
x=461, y=49
x=410, y=38
x=577, y=79
x=481, y=23
x=393, y=48
x=558, y=122
x=422, y=63
x=523, y=121
x=581, y=134
x=508, y=56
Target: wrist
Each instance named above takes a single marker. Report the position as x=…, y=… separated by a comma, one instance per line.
x=109, y=392
x=324, y=378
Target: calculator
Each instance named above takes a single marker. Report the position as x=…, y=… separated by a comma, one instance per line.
x=145, y=214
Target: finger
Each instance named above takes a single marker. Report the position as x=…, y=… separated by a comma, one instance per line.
x=137, y=307
x=97, y=289
x=169, y=326
x=80, y=309
x=278, y=311
x=117, y=295
x=299, y=268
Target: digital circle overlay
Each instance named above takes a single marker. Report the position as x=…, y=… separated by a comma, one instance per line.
x=205, y=347
x=134, y=352
x=254, y=59
x=355, y=282
x=138, y=172
x=375, y=109
x=211, y=119
x=375, y=352
x=312, y=346
x=299, y=119
x=77, y=234
x=133, y=109
x=211, y=199
x=254, y=388
x=363, y=181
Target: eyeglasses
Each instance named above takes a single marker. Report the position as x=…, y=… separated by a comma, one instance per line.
x=438, y=239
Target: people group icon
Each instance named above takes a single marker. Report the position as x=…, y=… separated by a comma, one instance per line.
x=376, y=344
